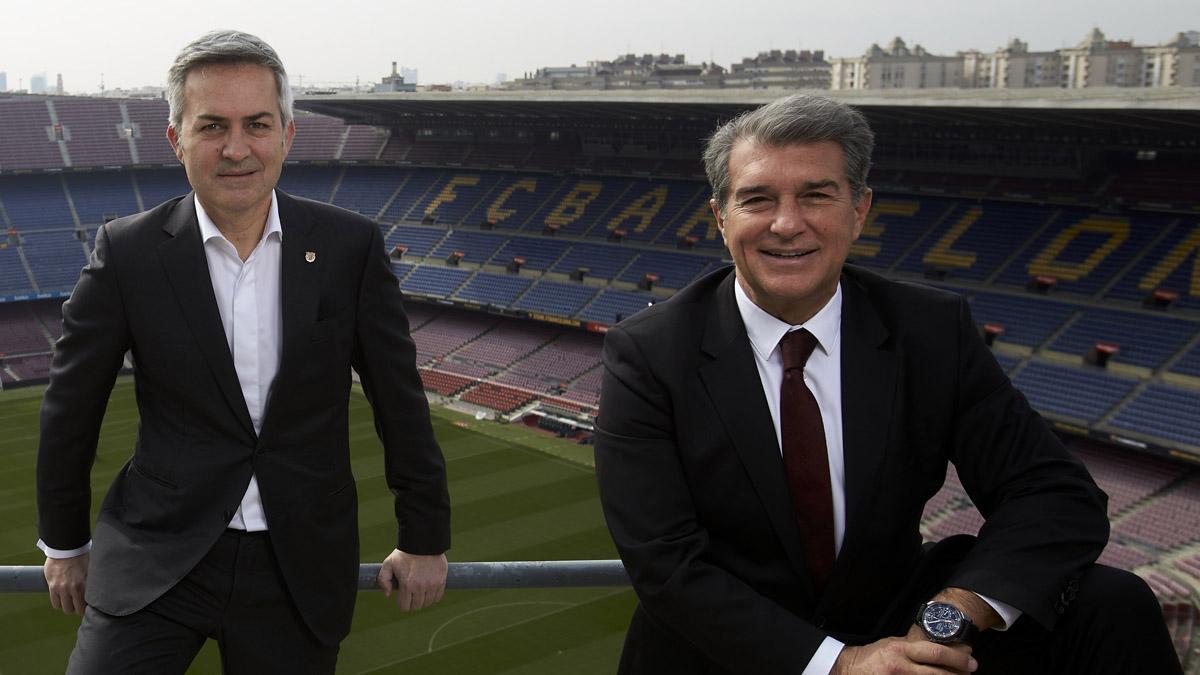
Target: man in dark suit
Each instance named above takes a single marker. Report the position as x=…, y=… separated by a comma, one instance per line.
x=769, y=436
x=244, y=311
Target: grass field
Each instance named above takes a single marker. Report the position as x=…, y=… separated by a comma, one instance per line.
x=517, y=495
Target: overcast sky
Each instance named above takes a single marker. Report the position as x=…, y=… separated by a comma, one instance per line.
x=132, y=42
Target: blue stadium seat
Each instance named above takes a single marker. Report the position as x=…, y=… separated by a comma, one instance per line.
x=1027, y=321
x=1077, y=392
x=611, y=306
x=556, y=298
x=1144, y=340
x=499, y=290
x=1162, y=411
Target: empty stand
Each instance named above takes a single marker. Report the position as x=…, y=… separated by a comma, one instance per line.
x=1079, y=394
x=1162, y=411
x=500, y=290
x=149, y=118
x=160, y=185
x=439, y=282
x=1145, y=340
x=35, y=202
x=1027, y=321
x=101, y=194
x=611, y=306
x=56, y=257
x=97, y=135
x=27, y=139
x=556, y=298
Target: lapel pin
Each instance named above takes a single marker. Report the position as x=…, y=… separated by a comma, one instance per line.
x=310, y=256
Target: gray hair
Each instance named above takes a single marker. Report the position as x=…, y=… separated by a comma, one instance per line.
x=225, y=47
x=799, y=118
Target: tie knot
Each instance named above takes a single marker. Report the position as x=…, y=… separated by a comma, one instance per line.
x=796, y=346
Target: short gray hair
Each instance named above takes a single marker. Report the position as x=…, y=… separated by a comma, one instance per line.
x=799, y=118
x=225, y=47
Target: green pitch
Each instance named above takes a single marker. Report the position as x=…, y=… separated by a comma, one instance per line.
x=517, y=495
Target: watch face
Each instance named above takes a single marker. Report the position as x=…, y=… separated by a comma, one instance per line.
x=942, y=621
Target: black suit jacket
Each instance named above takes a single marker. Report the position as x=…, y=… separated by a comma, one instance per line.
x=696, y=498
x=147, y=289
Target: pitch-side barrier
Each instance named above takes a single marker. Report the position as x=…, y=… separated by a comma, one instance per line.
x=462, y=575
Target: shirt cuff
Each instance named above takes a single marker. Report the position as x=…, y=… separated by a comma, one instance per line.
x=59, y=554
x=1008, y=613
x=823, y=659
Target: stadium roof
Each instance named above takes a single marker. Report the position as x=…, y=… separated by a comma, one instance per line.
x=1163, y=109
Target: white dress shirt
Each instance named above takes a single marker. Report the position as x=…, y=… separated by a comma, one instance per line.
x=248, y=297
x=823, y=376
x=251, y=305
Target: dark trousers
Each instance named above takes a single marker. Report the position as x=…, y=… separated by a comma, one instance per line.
x=235, y=595
x=1111, y=623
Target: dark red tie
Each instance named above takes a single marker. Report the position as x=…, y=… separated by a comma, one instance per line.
x=805, y=457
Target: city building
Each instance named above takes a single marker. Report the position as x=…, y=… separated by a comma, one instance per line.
x=896, y=67
x=394, y=82
x=788, y=69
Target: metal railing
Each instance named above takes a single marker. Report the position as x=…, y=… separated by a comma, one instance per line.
x=464, y=575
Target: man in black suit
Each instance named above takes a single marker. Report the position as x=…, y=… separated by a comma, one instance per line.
x=244, y=311
x=769, y=436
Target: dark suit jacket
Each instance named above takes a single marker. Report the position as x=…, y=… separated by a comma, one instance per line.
x=696, y=498
x=147, y=289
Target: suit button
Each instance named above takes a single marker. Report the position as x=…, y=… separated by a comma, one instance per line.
x=259, y=452
x=820, y=622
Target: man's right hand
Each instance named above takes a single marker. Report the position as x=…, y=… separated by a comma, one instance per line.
x=909, y=654
x=67, y=579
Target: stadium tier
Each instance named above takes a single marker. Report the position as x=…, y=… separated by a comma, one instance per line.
x=1086, y=276
x=1054, y=282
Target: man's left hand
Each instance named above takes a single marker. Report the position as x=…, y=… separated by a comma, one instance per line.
x=421, y=579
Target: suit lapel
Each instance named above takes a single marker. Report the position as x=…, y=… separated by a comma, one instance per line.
x=186, y=269
x=868, y=389
x=300, y=288
x=732, y=383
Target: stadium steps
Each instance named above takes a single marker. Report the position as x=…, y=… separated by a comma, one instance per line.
x=1018, y=251
x=668, y=231
x=62, y=145
x=87, y=250
x=137, y=191
x=419, y=202
x=523, y=293
x=127, y=123
x=599, y=366
x=337, y=184
x=341, y=146
x=922, y=239
x=388, y=204
x=602, y=219
x=564, y=187
x=1136, y=260
x=45, y=330
x=70, y=200
x=4, y=219
x=28, y=270
x=1040, y=349
x=1182, y=479
x=1105, y=184
x=1107, y=417
x=497, y=186
x=1178, y=356
x=623, y=286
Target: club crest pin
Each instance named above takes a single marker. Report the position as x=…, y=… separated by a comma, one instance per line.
x=310, y=256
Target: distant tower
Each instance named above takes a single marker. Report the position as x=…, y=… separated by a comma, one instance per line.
x=58, y=88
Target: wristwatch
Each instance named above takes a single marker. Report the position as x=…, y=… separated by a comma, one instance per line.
x=944, y=623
